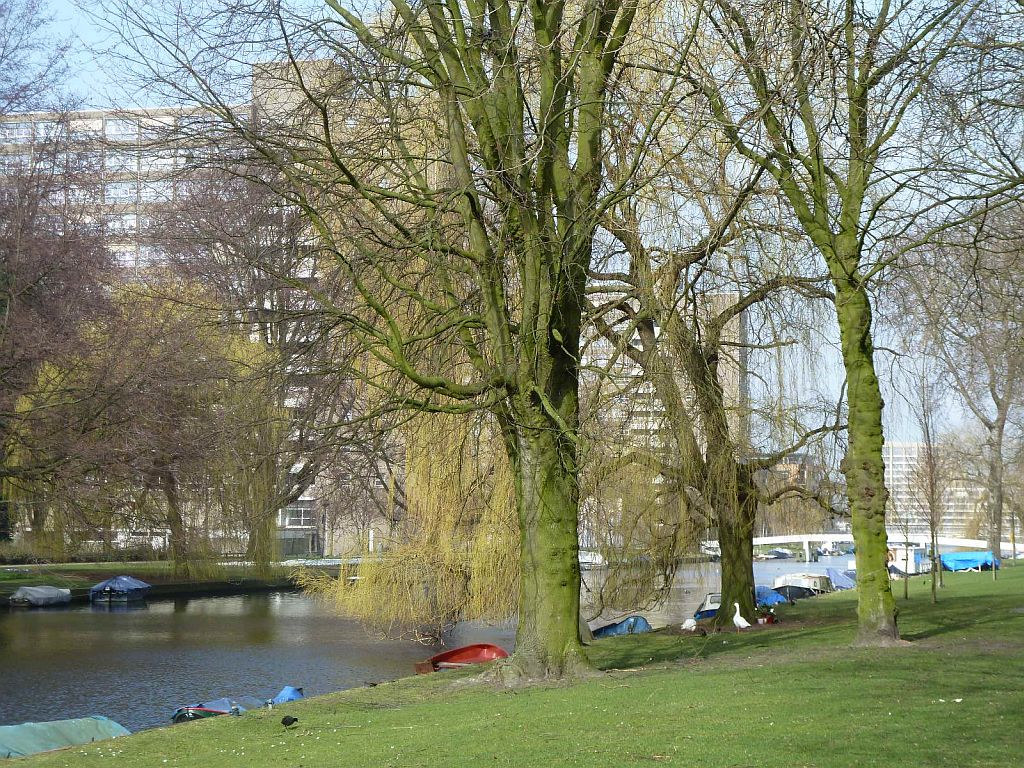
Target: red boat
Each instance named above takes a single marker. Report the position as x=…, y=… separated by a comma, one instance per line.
x=478, y=653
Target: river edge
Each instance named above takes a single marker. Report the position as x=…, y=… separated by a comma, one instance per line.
x=810, y=697
x=80, y=577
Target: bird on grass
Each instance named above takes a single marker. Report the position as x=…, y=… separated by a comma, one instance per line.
x=288, y=721
x=690, y=625
x=738, y=621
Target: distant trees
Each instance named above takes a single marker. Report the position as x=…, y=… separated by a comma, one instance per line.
x=52, y=263
x=966, y=296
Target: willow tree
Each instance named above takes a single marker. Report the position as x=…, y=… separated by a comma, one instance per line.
x=692, y=317
x=701, y=283
x=818, y=94
x=447, y=157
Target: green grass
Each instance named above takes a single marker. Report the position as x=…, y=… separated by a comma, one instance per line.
x=791, y=695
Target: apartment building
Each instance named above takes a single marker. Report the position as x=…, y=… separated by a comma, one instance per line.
x=963, y=503
x=127, y=173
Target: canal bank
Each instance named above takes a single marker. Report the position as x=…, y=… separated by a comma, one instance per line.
x=792, y=694
x=79, y=577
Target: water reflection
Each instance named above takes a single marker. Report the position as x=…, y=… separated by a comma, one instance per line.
x=136, y=666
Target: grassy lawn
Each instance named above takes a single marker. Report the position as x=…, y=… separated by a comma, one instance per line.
x=790, y=695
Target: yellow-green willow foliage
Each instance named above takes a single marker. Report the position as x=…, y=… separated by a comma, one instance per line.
x=454, y=553
x=638, y=520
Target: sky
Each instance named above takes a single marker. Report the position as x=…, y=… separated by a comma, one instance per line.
x=87, y=80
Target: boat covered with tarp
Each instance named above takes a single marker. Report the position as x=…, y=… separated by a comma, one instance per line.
x=233, y=705
x=477, y=653
x=766, y=597
x=796, y=586
x=40, y=596
x=30, y=738
x=840, y=580
x=631, y=625
x=969, y=561
x=119, y=588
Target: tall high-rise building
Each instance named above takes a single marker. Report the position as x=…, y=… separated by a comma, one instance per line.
x=962, y=501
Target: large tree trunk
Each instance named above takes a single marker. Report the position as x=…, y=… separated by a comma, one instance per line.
x=728, y=492
x=6, y=522
x=735, y=537
x=864, y=469
x=548, y=639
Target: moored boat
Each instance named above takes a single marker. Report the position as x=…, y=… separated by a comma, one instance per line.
x=42, y=595
x=232, y=706
x=708, y=609
x=801, y=585
x=118, y=589
x=632, y=625
x=477, y=653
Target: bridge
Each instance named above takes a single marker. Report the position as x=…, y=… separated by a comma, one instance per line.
x=896, y=538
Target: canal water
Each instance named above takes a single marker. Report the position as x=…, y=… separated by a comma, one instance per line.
x=137, y=666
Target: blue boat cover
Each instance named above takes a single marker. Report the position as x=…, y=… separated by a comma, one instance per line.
x=633, y=625
x=29, y=738
x=765, y=596
x=244, y=704
x=839, y=579
x=120, y=585
x=968, y=561
x=288, y=693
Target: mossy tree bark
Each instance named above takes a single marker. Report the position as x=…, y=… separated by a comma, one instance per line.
x=863, y=466
x=822, y=144
x=547, y=638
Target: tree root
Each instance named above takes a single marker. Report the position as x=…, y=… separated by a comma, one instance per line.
x=513, y=673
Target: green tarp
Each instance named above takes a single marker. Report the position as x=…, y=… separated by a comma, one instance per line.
x=29, y=738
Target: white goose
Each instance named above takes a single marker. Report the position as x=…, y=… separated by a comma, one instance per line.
x=738, y=620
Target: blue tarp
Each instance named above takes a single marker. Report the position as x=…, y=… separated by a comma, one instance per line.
x=119, y=586
x=288, y=693
x=766, y=596
x=633, y=625
x=839, y=579
x=29, y=738
x=968, y=561
x=245, y=703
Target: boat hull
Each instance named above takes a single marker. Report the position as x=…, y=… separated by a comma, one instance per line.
x=478, y=653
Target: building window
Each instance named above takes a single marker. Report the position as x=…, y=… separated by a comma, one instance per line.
x=124, y=257
x=156, y=190
x=159, y=161
x=120, y=162
x=16, y=133
x=15, y=163
x=47, y=129
x=121, y=192
x=121, y=130
x=123, y=223
x=298, y=514
x=149, y=255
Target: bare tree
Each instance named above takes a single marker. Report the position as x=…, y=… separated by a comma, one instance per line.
x=816, y=94
x=967, y=295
